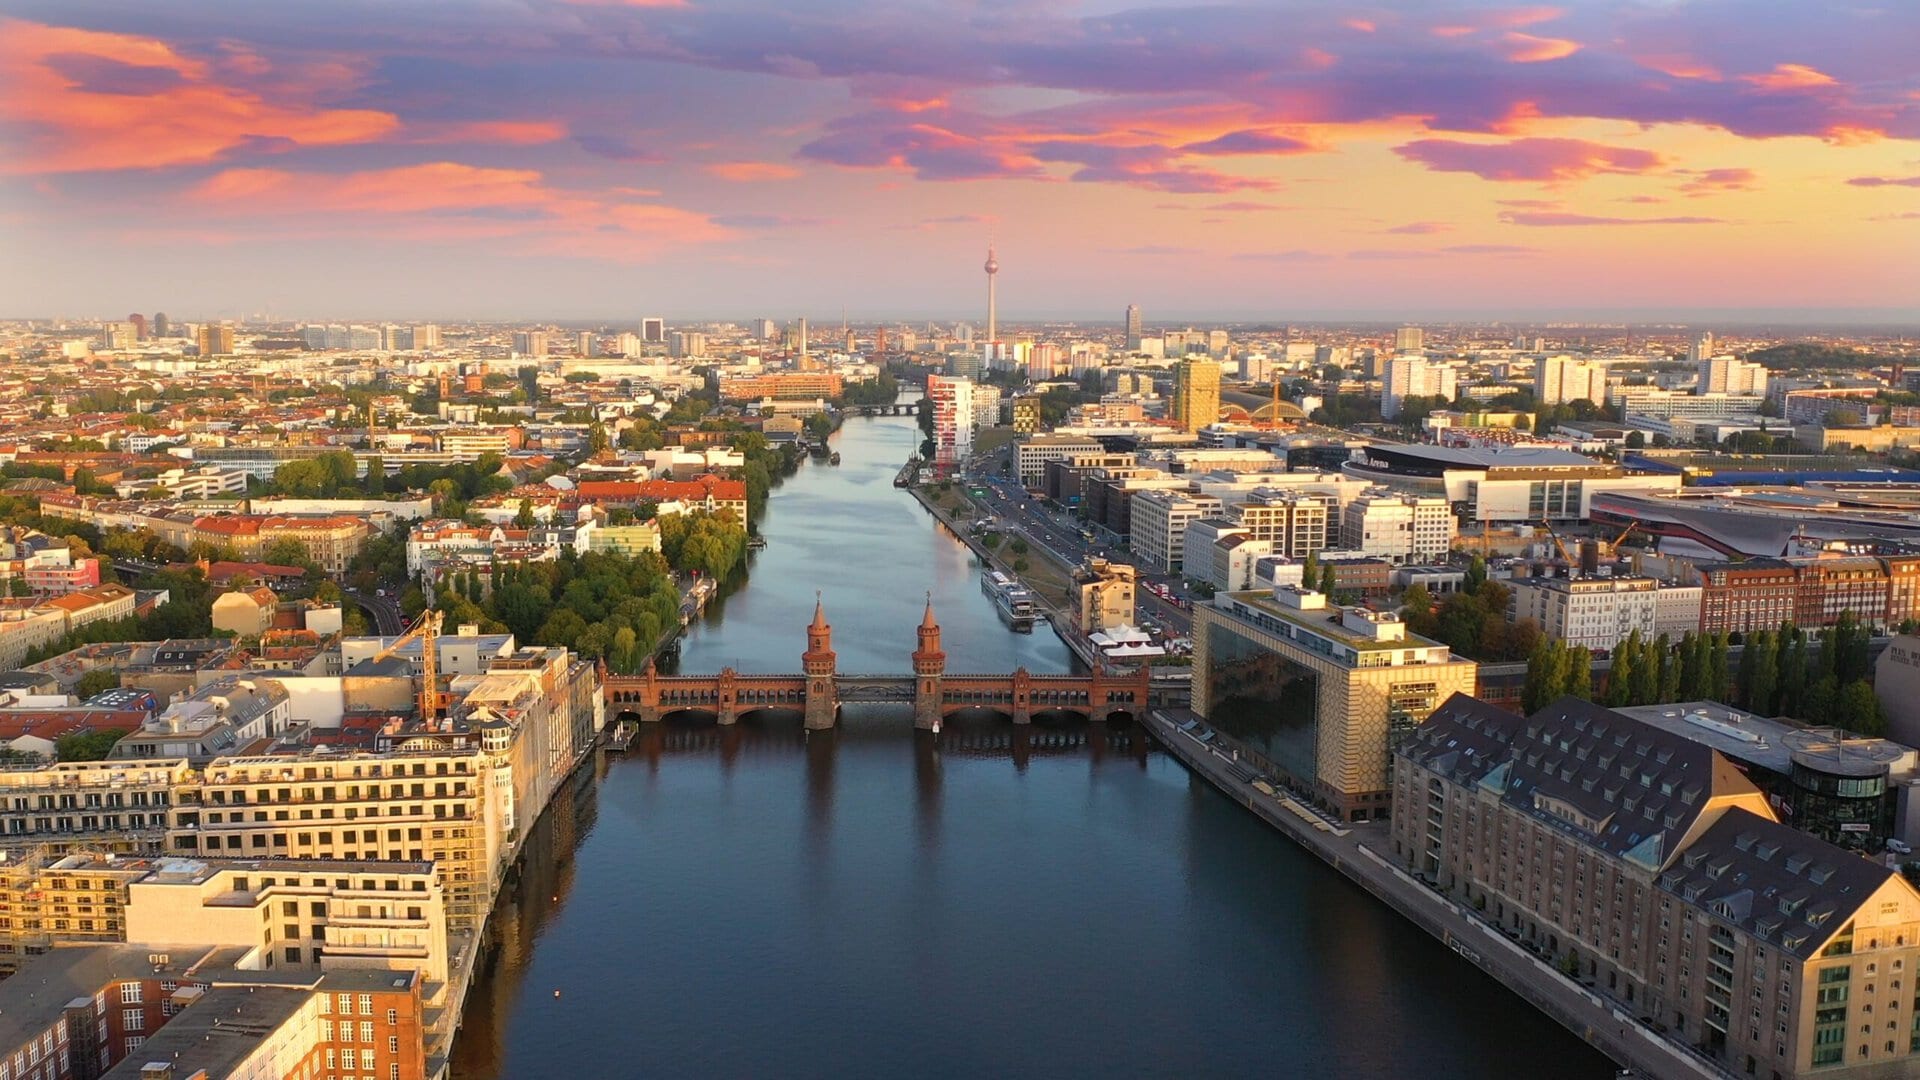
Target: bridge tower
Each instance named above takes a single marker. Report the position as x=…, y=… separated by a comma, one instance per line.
x=818, y=663
x=929, y=664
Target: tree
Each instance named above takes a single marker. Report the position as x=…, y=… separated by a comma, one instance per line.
x=1857, y=709
x=597, y=438
x=1761, y=686
x=1620, y=676
x=1310, y=569
x=1476, y=575
x=376, y=476
x=1416, y=609
x=1717, y=671
x=86, y=746
x=97, y=681
x=523, y=518
x=1329, y=581
x=1645, y=689
x=1670, y=669
x=1580, y=672
x=1636, y=440
x=1793, y=670
x=1821, y=698
x=1742, y=687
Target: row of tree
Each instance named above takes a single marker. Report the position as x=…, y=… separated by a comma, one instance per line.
x=1825, y=679
x=1472, y=621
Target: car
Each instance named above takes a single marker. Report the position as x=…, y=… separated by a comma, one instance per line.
x=379, y=592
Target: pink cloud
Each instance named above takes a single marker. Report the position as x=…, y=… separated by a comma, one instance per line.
x=1885, y=181
x=1790, y=77
x=496, y=132
x=1538, y=160
x=752, y=171
x=1420, y=228
x=79, y=93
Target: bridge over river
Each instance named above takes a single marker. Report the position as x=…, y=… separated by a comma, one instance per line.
x=818, y=691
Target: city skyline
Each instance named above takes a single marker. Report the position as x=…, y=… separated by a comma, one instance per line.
x=600, y=160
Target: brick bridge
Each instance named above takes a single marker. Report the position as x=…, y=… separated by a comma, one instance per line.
x=818, y=691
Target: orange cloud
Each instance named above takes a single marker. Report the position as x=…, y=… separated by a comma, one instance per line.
x=750, y=171
x=1679, y=66
x=1790, y=77
x=1527, y=49
x=78, y=93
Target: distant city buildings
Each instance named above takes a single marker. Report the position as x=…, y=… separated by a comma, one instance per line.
x=1196, y=400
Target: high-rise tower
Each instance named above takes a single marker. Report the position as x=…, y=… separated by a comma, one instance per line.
x=993, y=269
x=1133, y=326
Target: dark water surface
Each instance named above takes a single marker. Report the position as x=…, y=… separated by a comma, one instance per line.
x=1053, y=901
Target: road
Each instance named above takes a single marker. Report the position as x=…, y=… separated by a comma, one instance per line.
x=388, y=619
x=1059, y=534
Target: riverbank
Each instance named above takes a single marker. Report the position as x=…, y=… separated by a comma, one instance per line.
x=1359, y=853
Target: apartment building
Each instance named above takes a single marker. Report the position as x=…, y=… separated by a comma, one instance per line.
x=1103, y=594
x=120, y=806
x=1295, y=523
x=1600, y=612
x=1159, y=525
x=1649, y=864
x=421, y=806
x=953, y=418
x=626, y=540
x=1401, y=529
x=1560, y=379
x=1325, y=692
x=1726, y=375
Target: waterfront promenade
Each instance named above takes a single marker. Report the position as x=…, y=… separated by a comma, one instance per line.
x=1361, y=854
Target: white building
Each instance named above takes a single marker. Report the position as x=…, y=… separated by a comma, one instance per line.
x=1158, y=532
x=1291, y=522
x=953, y=418
x=1415, y=376
x=1726, y=375
x=1560, y=379
x=1599, y=613
x=1398, y=528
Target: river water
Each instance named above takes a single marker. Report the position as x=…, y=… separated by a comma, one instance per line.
x=996, y=902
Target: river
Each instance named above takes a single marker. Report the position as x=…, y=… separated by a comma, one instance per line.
x=868, y=902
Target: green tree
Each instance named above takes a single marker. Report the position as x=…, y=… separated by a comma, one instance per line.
x=1329, y=581
x=1580, y=672
x=1310, y=569
x=1476, y=575
x=1416, y=610
x=86, y=746
x=1762, y=684
x=1670, y=669
x=1821, y=698
x=1717, y=671
x=523, y=517
x=1858, y=710
x=1793, y=671
x=1743, y=685
x=97, y=681
x=1645, y=689
x=1621, y=674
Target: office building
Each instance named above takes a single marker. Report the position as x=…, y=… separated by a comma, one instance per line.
x=1560, y=379
x=1293, y=523
x=1196, y=395
x=1324, y=692
x=530, y=343
x=1702, y=347
x=1519, y=484
x=1415, y=376
x=1648, y=864
x=1032, y=454
x=653, y=330
x=583, y=343
x=1159, y=529
x=1133, y=326
x=1026, y=414
x=1401, y=529
x=1409, y=341
x=686, y=344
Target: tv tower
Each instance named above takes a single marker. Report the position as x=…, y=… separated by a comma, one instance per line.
x=993, y=268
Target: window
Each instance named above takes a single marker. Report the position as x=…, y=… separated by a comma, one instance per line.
x=366, y=1031
x=133, y=1019
x=130, y=993
x=133, y=1043
x=393, y=1044
x=393, y=1017
x=366, y=1004
x=349, y=1059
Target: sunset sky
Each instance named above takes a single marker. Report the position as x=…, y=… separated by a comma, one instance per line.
x=605, y=159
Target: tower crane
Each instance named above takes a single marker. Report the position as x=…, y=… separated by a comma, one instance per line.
x=425, y=628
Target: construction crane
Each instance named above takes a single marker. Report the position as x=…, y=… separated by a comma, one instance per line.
x=425, y=628
x=1573, y=564
x=1613, y=547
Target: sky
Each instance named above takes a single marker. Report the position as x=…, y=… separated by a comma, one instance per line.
x=608, y=159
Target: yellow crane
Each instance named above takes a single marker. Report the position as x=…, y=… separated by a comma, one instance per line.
x=424, y=628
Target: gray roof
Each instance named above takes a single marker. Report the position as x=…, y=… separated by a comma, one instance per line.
x=32, y=999
x=1774, y=882
x=1516, y=457
x=1636, y=788
x=216, y=1033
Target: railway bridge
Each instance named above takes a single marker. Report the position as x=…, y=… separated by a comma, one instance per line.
x=819, y=689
